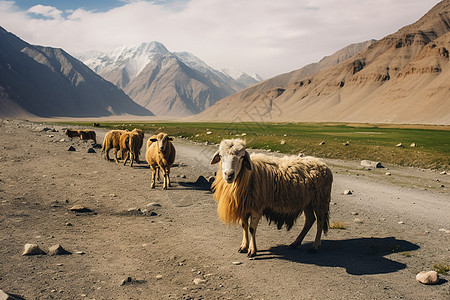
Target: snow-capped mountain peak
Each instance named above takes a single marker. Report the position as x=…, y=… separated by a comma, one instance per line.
x=130, y=58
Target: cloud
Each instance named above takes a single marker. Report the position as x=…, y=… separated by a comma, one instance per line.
x=45, y=11
x=267, y=37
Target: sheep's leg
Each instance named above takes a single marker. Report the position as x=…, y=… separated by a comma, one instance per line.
x=115, y=155
x=166, y=179
x=153, y=177
x=309, y=221
x=253, y=225
x=107, y=154
x=131, y=158
x=244, y=245
x=159, y=175
x=320, y=225
x=127, y=154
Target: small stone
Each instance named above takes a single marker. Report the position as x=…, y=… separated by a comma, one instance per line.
x=153, y=204
x=201, y=180
x=427, y=277
x=413, y=145
x=444, y=230
x=158, y=277
x=91, y=150
x=401, y=222
x=443, y=173
x=57, y=250
x=388, y=174
x=62, y=140
x=208, y=132
x=244, y=134
x=68, y=224
x=357, y=220
x=354, y=213
x=112, y=195
x=80, y=208
x=198, y=281
x=126, y=280
x=348, y=192
x=236, y=263
x=71, y=148
x=322, y=143
x=80, y=252
x=346, y=143
x=32, y=249
x=370, y=163
x=283, y=142
x=135, y=211
x=399, y=145
x=183, y=176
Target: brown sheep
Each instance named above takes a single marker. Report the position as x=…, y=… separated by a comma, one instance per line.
x=72, y=133
x=249, y=187
x=160, y=155
x=88, y=134
x=130, y=145
x=85, y=134
x=112, y=141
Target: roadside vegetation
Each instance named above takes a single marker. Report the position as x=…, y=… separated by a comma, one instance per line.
x=337, y=141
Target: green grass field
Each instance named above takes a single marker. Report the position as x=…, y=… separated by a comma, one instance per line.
x=372, y=142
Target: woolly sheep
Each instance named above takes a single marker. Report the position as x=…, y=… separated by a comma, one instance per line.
x=251, y=186
x=85, y=134
x=160, y=155
x=112, y=141
x=130, y=145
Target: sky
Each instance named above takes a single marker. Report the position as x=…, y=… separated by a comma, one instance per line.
x=266, y=37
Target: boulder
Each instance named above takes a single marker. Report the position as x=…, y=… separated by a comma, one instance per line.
x=370, y=163
x=32, y=249
x=57, y=250
x=428, y=277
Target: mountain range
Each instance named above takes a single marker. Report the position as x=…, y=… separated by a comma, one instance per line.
x=168, y=84
x=402, y=78
x=48, y=82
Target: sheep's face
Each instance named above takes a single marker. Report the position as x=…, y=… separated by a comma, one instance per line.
x=232, y=156
x=162, y=140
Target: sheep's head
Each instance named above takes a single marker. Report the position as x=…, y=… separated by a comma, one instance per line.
x=232, y=156
x=162, y=139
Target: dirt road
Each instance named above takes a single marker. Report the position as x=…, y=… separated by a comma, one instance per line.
x=395, y=227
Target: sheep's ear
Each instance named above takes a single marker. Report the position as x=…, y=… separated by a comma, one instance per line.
x=247, y=162
x=216, y=158
x=154, y=140
x=171, y=138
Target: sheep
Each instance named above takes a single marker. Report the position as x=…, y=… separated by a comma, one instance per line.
x=88, y=134
x=85, y=134
x=130, y=145
x=72, y=133
x=251, y=186
x=160, y=155
x=112, y=141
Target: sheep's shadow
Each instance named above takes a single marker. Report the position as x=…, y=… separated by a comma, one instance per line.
x=195, y=186
x=362, y=256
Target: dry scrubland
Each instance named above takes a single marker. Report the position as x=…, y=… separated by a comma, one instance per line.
x=171, y=245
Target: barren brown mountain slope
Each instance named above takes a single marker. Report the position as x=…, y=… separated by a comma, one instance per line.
x=402, y=78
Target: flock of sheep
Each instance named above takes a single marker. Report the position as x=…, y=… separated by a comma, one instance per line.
x=246, y=187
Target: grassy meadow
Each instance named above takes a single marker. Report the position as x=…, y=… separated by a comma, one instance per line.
x=338, y=141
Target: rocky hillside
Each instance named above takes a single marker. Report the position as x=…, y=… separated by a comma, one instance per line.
x=402, y=78
x=48, y=82
x=169, y=84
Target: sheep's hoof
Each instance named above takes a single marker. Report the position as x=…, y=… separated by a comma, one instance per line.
x=243, y=250
x=164, y=188
x=152, y=187
x=251, y=255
